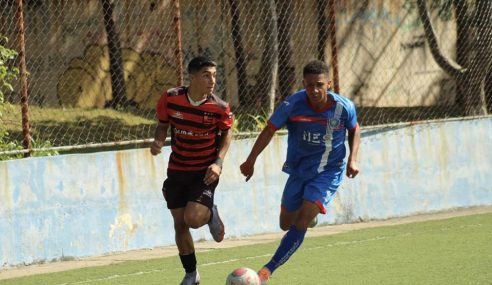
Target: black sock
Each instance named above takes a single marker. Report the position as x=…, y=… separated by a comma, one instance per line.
x=189, y=262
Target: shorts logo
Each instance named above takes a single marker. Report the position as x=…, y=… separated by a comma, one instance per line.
x=207, y=193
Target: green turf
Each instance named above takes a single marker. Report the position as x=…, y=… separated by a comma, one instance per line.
x=452, y=251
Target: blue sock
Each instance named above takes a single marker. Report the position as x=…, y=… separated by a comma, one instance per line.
x=289, y=244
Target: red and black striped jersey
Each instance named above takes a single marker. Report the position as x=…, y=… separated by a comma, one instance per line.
x=195, y=130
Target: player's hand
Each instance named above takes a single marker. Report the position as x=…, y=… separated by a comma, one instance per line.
x=156, y=146
x=247, y=169
x=212, y=174
x=352, y=169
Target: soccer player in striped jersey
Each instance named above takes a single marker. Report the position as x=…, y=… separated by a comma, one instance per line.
x=199, y=124
x=317, y=121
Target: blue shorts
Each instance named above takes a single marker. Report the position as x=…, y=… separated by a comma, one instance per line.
x=319, y=190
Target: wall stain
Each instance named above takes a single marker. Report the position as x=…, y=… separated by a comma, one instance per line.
x=124, y=227
x=5, y=191
x=122, y=207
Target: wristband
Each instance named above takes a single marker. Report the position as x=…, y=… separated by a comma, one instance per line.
x=219, y=161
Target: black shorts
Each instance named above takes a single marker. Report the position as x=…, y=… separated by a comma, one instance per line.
x=182, y=187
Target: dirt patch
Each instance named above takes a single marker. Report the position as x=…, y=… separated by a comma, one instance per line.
x=233, y=242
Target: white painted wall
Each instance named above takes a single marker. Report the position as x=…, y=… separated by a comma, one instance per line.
x=91, y=204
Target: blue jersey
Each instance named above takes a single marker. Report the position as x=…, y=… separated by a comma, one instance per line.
x=316, y=140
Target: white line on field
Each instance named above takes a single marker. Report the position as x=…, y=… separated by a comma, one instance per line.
x=117, y=276
x=341, y=243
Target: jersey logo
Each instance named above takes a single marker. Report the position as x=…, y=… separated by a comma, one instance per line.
x=177, y=115
x=208, y=118
x=334, y=123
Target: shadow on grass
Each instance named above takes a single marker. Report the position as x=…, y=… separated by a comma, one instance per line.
x=81, y=130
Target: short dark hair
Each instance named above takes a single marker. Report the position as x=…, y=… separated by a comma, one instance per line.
x=200, y=62
x=316, y=67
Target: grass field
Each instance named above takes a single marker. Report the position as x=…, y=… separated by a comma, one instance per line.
x=450, y=251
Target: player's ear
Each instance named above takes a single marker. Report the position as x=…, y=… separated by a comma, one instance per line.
x=191, y=76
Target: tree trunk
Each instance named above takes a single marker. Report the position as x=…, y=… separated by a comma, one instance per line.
x=474, y=52
x=463, y=42
x=479, y=57
x=287, y=70
x=321, y=6
x=239, y=52
x=115, y=59
x=488, y=91
x=266, y=79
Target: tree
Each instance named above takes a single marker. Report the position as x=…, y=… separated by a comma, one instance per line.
x=237, y=41
x=473, y=51
x=7, y=74
x=286, y=66
x=115, y=60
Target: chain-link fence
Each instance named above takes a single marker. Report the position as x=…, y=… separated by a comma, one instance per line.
x=97, y=67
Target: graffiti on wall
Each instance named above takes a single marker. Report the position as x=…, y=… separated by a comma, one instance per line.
x=86, y=82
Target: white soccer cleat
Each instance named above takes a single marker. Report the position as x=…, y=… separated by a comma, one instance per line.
x=192, y=278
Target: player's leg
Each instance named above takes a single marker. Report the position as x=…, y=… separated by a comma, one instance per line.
x=175, y=194
x=196, y=215
x=287, y=218
x=202, y=209
x=291, y=207
x=292, y=240
x=316, y=193
x=186, y=248
x=291, y=201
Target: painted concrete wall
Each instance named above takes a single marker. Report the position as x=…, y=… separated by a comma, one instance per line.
x=82, y=205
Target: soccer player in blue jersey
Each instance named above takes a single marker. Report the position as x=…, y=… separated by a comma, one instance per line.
x=317, y=121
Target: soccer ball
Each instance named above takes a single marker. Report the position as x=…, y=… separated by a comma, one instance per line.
x=243, y=276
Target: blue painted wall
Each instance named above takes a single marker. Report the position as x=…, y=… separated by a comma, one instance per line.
x=91, y=204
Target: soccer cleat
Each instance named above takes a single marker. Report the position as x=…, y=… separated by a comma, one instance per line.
x=192, y=278
x=313, y=223
x=264, y=275
x=216, y=226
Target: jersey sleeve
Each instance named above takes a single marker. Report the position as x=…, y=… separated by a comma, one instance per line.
x=161, y=109
x=351, y=116
x=226, y=119
x=281, y=115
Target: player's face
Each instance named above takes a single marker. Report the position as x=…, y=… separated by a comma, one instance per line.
x=204, y=80
x=316, y=86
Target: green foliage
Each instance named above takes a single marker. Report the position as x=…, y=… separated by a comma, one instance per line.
x=250, y=122
x=7, y=74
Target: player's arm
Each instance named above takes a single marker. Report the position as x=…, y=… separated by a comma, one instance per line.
x=353, y=141
x=215, y=169
x=247, y=168
x=225, y=142
x=160, y=135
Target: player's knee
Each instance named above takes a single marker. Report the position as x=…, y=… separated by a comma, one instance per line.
x=195, y=221
x=284, y=227
x=180, y=227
